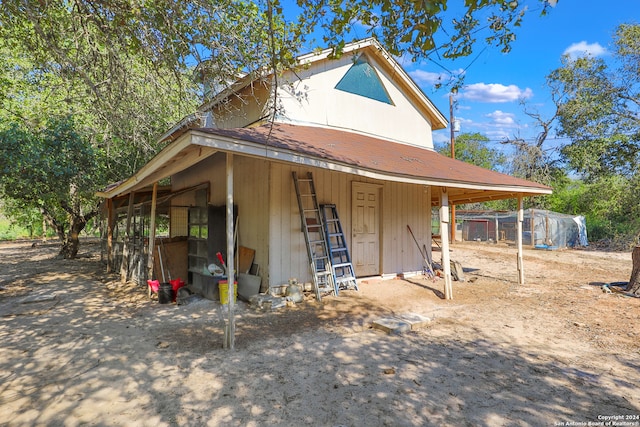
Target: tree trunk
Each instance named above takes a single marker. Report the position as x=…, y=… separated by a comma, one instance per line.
x=71, y=242
x=634, y=282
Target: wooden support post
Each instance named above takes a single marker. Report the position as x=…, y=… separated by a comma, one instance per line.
x=453, y=223
x=231, y=325
x=453, y=156
x=110, y=225
x=519, y=241
x=444, y=233
x=152, y=231
x=124, y=265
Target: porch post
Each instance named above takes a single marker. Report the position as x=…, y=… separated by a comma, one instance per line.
x=152, y=231
x=124, y=265
x=110, y=225
x=444, y=235
x=231, y=326
x=519, y=241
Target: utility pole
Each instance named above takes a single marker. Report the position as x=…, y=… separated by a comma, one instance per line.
x=453, y=156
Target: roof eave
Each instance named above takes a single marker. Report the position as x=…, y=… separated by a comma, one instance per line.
x=228, y=144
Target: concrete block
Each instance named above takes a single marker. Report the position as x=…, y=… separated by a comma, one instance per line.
x=416, y=321
x=391, y=325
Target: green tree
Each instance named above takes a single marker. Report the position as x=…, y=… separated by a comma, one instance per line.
x=599, y=108
x=51, y=169
x=421, y=29
x=473, y=148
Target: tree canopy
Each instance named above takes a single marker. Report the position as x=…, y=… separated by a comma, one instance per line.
x=51, y=170
x=598, y=111
x=473, y=148
x=599, y=108
x=420, y=28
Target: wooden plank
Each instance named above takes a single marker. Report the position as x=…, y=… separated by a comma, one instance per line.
x=124, y=265
x=245, y=256
x=152, y=232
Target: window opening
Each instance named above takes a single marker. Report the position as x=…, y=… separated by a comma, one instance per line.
x=362, y=79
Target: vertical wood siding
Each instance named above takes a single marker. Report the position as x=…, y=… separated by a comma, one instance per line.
x=401, y=205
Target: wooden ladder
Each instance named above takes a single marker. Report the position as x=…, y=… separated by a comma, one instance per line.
x=314, y=235
x=343, y=273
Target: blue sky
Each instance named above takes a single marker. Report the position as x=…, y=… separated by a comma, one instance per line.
x=494, y=82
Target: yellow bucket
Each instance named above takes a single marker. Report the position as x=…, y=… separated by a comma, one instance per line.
x=223, y=288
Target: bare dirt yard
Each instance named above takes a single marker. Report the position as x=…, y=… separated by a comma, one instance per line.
x=79, y=348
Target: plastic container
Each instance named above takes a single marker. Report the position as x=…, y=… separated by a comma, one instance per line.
x=165, y=293
x=154, y=285
x=223, y=288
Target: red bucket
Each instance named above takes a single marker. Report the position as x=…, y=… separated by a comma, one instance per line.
x=176, y=284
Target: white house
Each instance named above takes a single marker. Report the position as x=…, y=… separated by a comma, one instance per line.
x=359, y=124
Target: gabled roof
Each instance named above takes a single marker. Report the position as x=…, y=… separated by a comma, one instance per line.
x=369, y=46
x=336, y=150
x=372, y=47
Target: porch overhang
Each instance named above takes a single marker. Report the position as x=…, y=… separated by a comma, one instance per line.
x=336, y=150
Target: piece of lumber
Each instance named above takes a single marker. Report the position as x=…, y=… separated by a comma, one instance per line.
x=246, y=256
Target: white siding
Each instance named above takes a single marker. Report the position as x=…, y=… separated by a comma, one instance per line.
x=269, y=221
x=251, y=195
x=310, y=97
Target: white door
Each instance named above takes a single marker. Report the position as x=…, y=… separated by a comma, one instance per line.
x=365, y=237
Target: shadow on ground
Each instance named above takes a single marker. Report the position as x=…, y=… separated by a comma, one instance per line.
x=90, y=356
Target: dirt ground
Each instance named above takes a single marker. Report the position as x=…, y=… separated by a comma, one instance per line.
x=79, y=348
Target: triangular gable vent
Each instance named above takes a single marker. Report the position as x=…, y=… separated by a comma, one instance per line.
x=362, y=79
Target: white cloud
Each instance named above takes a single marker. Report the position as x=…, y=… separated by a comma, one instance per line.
x=497, y=134
x=494, y=92
x=422, y=77
x=497, y=125
x=584, y=49
x=502, y=119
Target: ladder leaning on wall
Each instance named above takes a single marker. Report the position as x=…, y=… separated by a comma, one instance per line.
x=314, y=235
x=344, y=275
